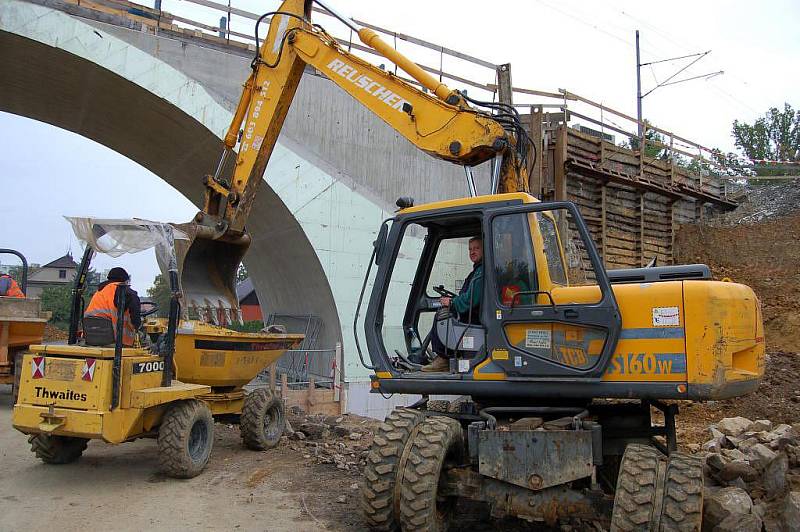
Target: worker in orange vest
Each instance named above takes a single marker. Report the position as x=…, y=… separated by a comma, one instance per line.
x=9, y=287
x=103, y=304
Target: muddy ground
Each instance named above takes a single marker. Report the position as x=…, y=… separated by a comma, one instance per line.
x=289, y=488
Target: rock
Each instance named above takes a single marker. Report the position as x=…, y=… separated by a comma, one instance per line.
x=734, y=455
x=724, y=503
x=693, y=448
x=355, y=436
x=715, y=434
x=527, y=423
x=341, y=499
x=760, y=425
x=775, y=476
x=354, y=486
x=340, y=431
x=287, y=426
x=296, y=411
x=297, y=435
x=784, y=430
x=793, y=452
x=733, y=426
x=739, y=523
x=735, y=470
x=745, y=444
x=760, y=455
x=712, y=446
x=715, y=462
x=314, y=431
x=790, y=511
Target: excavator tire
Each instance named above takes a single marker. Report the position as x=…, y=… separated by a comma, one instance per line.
x=380, y=500
x=438, y=405
x=57, y=449
x=635, y=499
x=263, y=419
x=185, y=439
x=438, y=442
x=682, y=509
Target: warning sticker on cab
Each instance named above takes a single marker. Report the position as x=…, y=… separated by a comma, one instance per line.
x=538, y=338
x=666, y=316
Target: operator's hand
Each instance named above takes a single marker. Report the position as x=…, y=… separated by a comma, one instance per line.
x=445, y=301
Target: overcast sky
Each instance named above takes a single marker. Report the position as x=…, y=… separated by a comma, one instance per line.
x=585, y=47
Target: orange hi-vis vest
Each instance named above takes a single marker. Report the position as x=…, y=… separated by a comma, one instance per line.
x=13, y=290
x=102, y=306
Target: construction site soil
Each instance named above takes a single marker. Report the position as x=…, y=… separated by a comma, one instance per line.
x=758, y=244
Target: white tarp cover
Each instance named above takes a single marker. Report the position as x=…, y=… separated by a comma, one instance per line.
x=117, y=237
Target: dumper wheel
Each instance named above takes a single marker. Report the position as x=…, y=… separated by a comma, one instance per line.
x=17, y=358
x=185, y=439
x=380, y=491
x=637, y=489
x=57, y=449
x=682, y=510
x=262, y=421
x=437, y=444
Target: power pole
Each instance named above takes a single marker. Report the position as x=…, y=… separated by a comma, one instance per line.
x=668, y=81
x=638, y=86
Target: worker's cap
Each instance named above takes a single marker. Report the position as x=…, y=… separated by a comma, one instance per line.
x=118, y=274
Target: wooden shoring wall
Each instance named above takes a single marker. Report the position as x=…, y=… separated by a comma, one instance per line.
x=632, y=205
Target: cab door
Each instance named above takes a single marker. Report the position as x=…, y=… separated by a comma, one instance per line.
x=550, y=310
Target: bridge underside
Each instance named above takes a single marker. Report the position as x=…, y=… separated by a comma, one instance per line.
x=53, y=86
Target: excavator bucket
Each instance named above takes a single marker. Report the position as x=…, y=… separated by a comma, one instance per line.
x=207, y=274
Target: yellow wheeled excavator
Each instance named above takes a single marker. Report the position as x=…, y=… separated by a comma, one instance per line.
x=558, y=367
x=561, y=365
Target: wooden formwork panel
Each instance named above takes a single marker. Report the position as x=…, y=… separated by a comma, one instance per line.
x=632, y=204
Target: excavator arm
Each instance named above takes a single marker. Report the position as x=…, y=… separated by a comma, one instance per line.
x=436, y=119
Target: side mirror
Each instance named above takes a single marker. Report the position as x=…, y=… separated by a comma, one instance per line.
x=380, y=243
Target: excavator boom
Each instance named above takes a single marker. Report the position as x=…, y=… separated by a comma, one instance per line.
x=440, y=122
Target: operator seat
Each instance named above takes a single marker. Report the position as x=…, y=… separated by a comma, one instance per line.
x=98, y=331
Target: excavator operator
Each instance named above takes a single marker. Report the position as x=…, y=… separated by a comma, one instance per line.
x=9, y=287
x=467, y=304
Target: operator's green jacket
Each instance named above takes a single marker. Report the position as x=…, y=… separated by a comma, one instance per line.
x=473, y=286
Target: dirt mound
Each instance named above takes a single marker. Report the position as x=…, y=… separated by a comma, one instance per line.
x=760, y=202
x=777, y=399
x=54, y=334
x=765, y=256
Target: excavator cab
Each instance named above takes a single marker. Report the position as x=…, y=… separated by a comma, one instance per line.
x=546, y=308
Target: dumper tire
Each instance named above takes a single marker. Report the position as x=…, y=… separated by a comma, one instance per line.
x=682, y=509
x=380, y=491
x=263, y=420
x=638, y=491
x=185, y=438
x=17, y=359
x=438, y=405
x=439, y=442
x=57, y=450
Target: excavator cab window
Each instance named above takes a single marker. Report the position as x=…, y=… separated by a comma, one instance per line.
x=556, y=313
x=432, y=261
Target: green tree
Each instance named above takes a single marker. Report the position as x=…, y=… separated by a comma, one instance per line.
x=58, y=300
x=774, y=136
x=651, y=151
x=161, y=295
